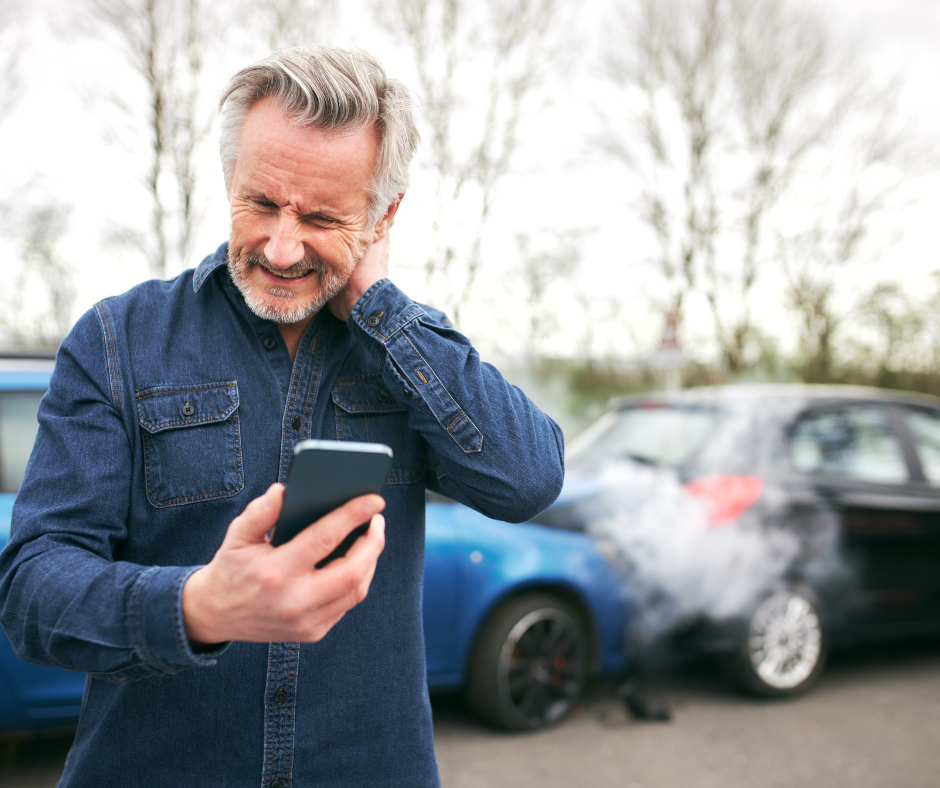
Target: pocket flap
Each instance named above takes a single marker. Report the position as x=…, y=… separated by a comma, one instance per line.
x=364, y=394
x=166, y=407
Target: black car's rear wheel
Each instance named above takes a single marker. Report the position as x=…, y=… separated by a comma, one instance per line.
x=782, y=648
x=529, y=664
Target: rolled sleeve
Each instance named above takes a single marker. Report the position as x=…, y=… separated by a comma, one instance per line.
x=488, y=445
x=155, y=621
x=65, y=597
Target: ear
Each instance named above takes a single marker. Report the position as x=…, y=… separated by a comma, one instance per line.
x=382, y=225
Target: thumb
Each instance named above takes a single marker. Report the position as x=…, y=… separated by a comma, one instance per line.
x=259, y=517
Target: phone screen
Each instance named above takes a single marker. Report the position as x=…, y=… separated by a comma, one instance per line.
x=323, y=476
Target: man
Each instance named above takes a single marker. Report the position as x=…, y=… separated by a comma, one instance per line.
x=138, y=551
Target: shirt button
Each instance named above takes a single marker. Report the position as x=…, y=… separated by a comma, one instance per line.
x=383, y=396
x=188, y=410
x=276, y=783
x=280, y=696
x=373, y=321
x=295, y=422
x=270, y=343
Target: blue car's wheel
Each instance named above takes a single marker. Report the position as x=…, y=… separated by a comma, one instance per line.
x=529, y=664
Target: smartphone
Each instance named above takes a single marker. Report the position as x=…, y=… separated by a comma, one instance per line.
x=323, y=476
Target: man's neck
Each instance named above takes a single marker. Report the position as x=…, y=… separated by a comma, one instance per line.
x=293, y=333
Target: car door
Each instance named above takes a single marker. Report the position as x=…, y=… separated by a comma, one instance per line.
x=920, y=429
x=858, y=460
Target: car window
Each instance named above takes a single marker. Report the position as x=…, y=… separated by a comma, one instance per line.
x=18, y=428
x=657, y=435
x=855, y=442
x=924, y=426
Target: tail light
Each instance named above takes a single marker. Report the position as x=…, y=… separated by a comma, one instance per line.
x=728, y=496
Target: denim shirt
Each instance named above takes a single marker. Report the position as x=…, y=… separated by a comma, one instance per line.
x=170, y=408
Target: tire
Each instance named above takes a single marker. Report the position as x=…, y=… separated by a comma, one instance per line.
x=529, y=664
x=782, y=647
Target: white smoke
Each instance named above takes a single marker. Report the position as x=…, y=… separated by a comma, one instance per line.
x=680, y=566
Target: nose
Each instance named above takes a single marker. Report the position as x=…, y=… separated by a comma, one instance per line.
x=285, y=246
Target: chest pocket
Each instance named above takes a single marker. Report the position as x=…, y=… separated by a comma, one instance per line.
x=366, y=412
x=192, y=444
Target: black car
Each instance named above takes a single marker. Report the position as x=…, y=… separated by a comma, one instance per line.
x=768, y=523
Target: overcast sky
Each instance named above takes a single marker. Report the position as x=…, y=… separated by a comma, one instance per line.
x=56, y=147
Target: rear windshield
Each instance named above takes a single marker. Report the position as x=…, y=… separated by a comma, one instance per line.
x=656, y=436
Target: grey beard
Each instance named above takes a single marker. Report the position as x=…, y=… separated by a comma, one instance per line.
x=330, y=284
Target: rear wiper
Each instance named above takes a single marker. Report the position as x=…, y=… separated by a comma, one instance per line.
x=639, y=458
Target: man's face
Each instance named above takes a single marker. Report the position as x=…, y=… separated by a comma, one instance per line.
x=299, y=206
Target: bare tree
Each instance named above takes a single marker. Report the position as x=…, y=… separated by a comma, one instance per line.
x=478, y=67
x=812, y=299
x=812, y=261
x=896, y=322
x=552, y=260
x=671, y=78
x=11, y=47
x=290, y=23
x=164, y=43
x=40, y=298
x=731, y=108
x=16, y=325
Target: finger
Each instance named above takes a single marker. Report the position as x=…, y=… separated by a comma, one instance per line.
x=330, y=613
x=369, y=546
x=259, y=517
x=318, y=540
x=319, y=621
x=380, y=249
x=376, y=256
x=353, y=589
x=345, y=582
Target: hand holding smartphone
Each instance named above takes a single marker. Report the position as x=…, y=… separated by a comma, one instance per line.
x=323, y=476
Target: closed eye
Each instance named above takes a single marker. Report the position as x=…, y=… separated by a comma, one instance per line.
x=319, y=218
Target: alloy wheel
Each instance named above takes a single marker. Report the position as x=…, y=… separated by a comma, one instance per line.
x=785, y=640
x=541, y=666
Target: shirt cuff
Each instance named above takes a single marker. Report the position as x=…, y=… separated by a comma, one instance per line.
x=381, y=312
x=378, y=317
x=155, y=613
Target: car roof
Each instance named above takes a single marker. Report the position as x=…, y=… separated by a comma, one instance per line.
x=24, y=372
x=715, y=395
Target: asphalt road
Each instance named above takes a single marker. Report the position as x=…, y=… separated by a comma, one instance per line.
x=873, y=721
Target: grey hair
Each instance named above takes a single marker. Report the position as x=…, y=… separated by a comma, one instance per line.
x=335, y=90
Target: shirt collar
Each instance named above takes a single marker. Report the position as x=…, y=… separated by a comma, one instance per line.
x=218, y=258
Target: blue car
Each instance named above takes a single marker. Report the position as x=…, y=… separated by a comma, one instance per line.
x=517, y=616
x=32, y=697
